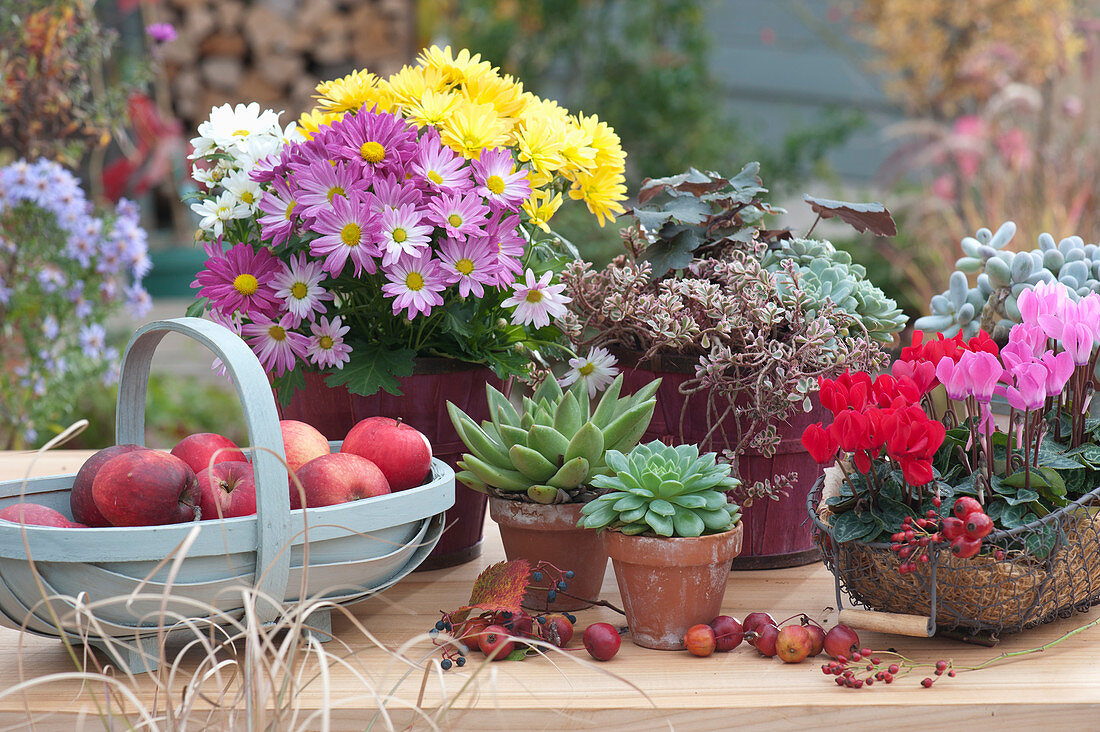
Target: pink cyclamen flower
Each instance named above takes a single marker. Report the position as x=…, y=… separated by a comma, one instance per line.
x=470, y=264
x=536, y=300
x=976, y=374
x=239, y=280
x=1046, y=298
x=1030, y=391
x=1059, y=370
x=299, y=287
x=347, y=231
x=326, y=347
x=502, y=187
x=1076, y=338
x=274, y=343
x=415, y=284
x=440, y=168
x=462, y=216
x=1031, y=335
x=401, y=231
x=161, y=32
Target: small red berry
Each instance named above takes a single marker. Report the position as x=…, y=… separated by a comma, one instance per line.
x=951, y=673
x=889, y=678
x=964, y=547
x=858, y=683
x=978, y=525
x=937, y=501
x=952, y=528
x=870, y=681
x=965, y=506
x=894, y=668
x=941, y=665
x=866, y=652
x=999, y=555
x=927, y=683
x=930, y=513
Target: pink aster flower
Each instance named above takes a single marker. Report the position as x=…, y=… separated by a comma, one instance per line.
x=347, y=230
x=469, y=264
x=274, y=343
x=375, y=142
x=499, y=183
x=503, y=234
x=440, y=168
x=321, y=184
x=389, y=192
x=401, y=231
x=415, y=284
x=299, y=287
x=326, y=347
x=277, y=223
x=239, y=280
x=462, y=216
x=536, y=300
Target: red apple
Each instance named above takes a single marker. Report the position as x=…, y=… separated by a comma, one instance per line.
x=302, y=443
x=146, y=488
x=199, y=449
x=38, y=515
x=80, y=498
x=227, y=490
x=728, y=633
x=337, y=478
x=496, y=641
x=401, y=452
x=793, y=644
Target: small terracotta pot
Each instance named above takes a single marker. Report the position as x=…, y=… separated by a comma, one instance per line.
x=669, y=585
x=537, y=533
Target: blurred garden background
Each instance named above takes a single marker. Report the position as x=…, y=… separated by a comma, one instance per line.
x=956, y=115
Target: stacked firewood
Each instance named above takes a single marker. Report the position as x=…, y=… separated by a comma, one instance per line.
x=275, y=51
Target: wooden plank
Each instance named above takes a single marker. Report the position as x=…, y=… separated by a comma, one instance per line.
x=1059, y=688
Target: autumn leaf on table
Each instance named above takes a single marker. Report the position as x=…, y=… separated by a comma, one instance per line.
x=499, y=588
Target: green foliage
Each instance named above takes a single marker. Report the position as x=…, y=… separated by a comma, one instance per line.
x=663, y=490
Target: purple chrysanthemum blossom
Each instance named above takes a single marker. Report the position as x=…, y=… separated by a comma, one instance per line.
x=536, y=300
x=279, y=218
x=375, y=142
x=274, y=343
x=503, y=234
x=239, y=280
x=402, y=231
x=415, y=284
x=439, y=168
x=389, y=192
x=299, y=287
x=321, y=184
x=470, y=264
x=499, y=183
x=326, y=344
x=138, y=300
x=462, y=216
x=161, y=32
x=347, y=230
x=93, y=339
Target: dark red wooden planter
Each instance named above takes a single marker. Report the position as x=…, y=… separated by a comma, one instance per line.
x=777, y=533
x=423, y=405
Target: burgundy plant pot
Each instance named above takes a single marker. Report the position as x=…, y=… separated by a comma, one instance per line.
x=423, y=405
x=777, y=533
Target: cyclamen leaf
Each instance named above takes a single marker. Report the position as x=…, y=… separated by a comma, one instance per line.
x=873, y=217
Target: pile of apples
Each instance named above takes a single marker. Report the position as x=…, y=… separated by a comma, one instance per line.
x=206, y=476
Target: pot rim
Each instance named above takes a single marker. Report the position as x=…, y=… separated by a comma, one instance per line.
x=640, y=547
x=541, y=516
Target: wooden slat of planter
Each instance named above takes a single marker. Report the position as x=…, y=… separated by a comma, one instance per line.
x=1057, y=689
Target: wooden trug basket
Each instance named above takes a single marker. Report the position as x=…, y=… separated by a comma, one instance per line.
x=342, y=553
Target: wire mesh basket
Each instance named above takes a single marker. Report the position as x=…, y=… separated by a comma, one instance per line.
x=1050, y=569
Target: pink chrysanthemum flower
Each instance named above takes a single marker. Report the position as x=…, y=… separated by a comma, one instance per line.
x=347, y=231
x=274, y=343
x=415, y=284
x=326, y=346
x=401, y=231
x=375, y=142
x=321, y=184
x=299, y=287
x=470, y=264
x=440, y=168
x=239, y=280
x=536, y=300
x=503, y=234
x=389, y=192
x=499, y=183
x=462, y=216
x=278, y=206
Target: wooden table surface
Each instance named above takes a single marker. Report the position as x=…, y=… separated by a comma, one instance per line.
x=638, y=689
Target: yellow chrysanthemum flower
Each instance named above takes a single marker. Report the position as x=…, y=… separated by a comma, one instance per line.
x=577, y=150
x=541, y=207
x=503, y=92
x=433, y=108
x=311, y=120
x=539, y=140
x=609, y=150
x=350, y=92
x=539, y=180
x=455, y=69
x=473, y=127
x=408, y=85
x=601, y=190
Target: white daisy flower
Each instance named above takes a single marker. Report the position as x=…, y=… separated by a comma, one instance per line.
x=228, y=126
x=299, y=286
x=536, y=300
x=326, y=346
x=244, y=190
x=215, y=212
x=596, y=370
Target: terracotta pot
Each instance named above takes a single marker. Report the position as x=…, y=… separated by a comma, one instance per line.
x=537, y=533
x=669, y=585
x=435, y=381
x=776, y=532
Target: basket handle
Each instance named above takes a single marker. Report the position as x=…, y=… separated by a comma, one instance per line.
x=917, y=626
x=261, y=418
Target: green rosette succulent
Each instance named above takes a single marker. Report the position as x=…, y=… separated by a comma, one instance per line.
x=663, y=490
x=551, y=450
